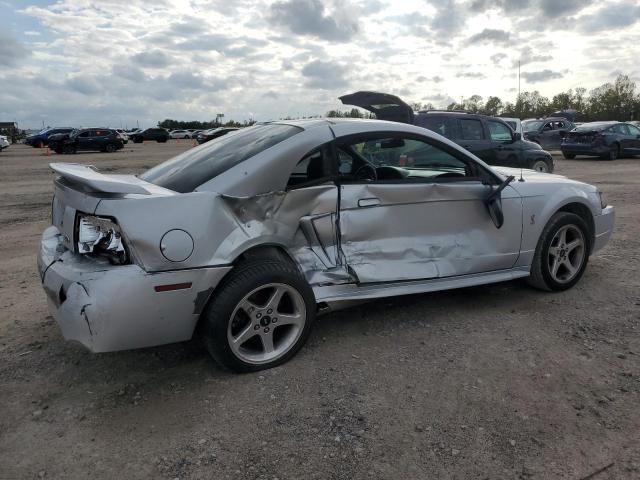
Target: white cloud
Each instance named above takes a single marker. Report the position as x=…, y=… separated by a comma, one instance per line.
x=135, y=60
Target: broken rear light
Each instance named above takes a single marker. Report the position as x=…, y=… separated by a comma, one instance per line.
x=100, y=236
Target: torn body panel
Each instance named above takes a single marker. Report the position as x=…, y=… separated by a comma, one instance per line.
x=426, y=230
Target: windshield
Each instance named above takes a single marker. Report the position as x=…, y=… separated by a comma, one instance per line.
x=198, y=165
x=531, y=125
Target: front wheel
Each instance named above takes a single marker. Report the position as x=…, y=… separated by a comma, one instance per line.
x=562, y=253
x=540, y=166
x=612, y=154
x=260, y=317
x=568, y=156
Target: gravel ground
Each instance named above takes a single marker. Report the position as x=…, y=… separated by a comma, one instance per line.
x=494, y=382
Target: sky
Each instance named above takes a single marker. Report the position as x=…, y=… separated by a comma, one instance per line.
x=135, y=62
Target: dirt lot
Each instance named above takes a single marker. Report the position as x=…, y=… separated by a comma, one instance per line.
x=496, y=382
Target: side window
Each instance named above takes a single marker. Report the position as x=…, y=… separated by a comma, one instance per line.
x=499, y=131
x=439, y=124
x=624, y=129
x=85, y=134
x=547, y=127
x=397, y=159
x=471, y=129
x=633, y=130
x=308, y=169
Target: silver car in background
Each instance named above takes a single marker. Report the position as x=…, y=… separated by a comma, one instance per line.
x=246, y=238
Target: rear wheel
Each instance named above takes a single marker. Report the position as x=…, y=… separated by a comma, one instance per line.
x=110, y=148
x=562, y=253
x=69, y=149
x=260, y=317
x=568, y=156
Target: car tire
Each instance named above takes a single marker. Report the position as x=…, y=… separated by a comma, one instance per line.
x=613, y=153
x=561, y=258
x=540, y=165
x=58, y=150
x=568, y=156
x=137, y=140
x=39, y=144
x=241, y=309
x=110, y=148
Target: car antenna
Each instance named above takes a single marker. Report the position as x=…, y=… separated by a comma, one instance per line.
x=521, y=179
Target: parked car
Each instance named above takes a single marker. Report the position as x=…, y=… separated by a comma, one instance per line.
x=179, y=134
x=123, y=135
x=635, y=123
x=207, y=135
x=41, y=139
x=194, y=133
x=515, y=124
x=160, y=135
x=86, y=139
x=489, y=138
x=607, y=140
x=291, y=219
x=4, y=142
x=547, y=132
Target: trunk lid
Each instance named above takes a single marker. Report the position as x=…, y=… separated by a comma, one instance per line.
x=80, y=188
x=384, y=105
x=586, y=137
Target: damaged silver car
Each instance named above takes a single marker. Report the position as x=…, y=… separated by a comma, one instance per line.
x=245, y=239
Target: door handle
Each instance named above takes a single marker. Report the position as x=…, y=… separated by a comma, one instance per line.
x=368, y=202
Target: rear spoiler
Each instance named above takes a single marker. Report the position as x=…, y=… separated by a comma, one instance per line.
x=88, y=176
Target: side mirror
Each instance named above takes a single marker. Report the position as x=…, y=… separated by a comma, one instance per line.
x=517, y=136
x=494, y=207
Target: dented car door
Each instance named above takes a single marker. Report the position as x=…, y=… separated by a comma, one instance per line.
x=423, y=217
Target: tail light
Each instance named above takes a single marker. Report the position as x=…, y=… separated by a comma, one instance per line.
x=101, y=236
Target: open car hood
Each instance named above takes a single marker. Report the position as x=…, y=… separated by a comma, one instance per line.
x=385, y=106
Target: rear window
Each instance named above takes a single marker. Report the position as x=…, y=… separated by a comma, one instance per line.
x=198, y=165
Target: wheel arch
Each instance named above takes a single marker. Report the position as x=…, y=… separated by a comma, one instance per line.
x=584, y=212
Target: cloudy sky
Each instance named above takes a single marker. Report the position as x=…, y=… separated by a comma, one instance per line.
x=118, y=62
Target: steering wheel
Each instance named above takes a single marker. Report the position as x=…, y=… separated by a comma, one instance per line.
x=366, y=172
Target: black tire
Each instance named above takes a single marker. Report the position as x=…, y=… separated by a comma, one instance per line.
x=538, y=163
x=110, y=148
x=162, y=140
x=39, y=144
x=541, y=277
x=137, y=140
x=241, y=281
x=613, y=153
x=58, y=150
x=568, y=156
x=69, y=149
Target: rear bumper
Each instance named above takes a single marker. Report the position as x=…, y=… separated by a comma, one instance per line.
x=603, y=227
x=116, y=307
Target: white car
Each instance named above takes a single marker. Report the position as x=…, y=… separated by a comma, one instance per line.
x=514, y=123
x=180, y=134
x=4, y=142
x=123, y=135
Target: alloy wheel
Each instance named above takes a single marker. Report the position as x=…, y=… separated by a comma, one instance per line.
x=540, y=166
x=266, y=323
x=567, y=253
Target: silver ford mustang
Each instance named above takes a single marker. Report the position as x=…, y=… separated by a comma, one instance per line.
x=245, y=239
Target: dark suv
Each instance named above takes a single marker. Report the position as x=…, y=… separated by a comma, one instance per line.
x=160, y=135
x=489, y=138
x=547, y=132
x=84, y=139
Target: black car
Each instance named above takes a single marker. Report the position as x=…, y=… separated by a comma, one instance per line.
x=489, y=138
x=547, y=132
x=607, y=140
x=160, y=135
x=204, y=137
x=86, y=139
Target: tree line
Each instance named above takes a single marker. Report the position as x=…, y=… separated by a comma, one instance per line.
x=170, y=124
x=611, y=101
